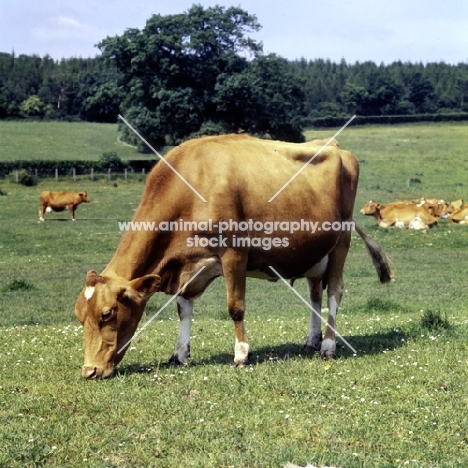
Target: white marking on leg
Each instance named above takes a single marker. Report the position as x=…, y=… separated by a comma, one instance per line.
x=241, y=351
x=329, y=343
x=314, y=285
x=332, y=311
x=314, y=336
x=328, y=347
x=183, y=339
x=89, y=291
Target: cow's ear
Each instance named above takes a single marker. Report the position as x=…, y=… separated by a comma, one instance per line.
x=142, y=288
x=80, y=308
x=92, y=278
x=147, y=285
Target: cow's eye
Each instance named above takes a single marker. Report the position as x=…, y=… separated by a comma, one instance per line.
x=106, y=315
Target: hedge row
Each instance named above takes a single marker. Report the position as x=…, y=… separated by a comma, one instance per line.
x=47, y=168
x=325, y=122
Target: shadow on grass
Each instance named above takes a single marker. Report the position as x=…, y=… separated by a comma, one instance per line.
x=364, y=344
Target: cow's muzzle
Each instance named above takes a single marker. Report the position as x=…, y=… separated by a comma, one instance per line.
x=91, y=372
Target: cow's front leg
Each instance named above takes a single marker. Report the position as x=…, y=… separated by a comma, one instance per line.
x=42, y=210
x=314, y=336
x=241, y=348
x=182, y=347
x=234, y=271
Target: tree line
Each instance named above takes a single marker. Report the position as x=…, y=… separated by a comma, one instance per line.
x=200, y=72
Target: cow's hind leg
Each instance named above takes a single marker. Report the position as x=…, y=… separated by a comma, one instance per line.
x=182, y=348
x=336, y=263
x=72, y=208
x=314, y=337
x=234, y=271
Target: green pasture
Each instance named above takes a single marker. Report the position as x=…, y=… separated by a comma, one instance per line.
x=63, y=141
x=400, y=401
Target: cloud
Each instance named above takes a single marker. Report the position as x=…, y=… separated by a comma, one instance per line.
x=65, y=28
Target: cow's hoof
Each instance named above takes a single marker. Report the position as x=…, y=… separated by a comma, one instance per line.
x=328, y=355
x=308, y=349
x=175, y=361
x=328, y=350
x=240, y=364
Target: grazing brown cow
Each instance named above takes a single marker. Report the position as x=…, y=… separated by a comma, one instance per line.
x=60, y=201
x=400, y=214
x=238, y=175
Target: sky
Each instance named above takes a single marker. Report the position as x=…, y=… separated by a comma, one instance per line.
x=382, y=31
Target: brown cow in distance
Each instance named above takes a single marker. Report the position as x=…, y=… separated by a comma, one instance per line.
x=460, y=216
x=238, y=176
x=60, y=201
x=400, y=214
x=454, y=205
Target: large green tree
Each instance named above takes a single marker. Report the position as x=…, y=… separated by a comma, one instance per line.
x=175, y=73
x=265, y=99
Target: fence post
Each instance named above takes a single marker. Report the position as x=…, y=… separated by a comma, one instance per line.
x=109, y=174
x=35, y=173
x=143, y=171
x=56, y=174
x=92, y=174
x=16, y=176
x=126, y=173
x=74, y=175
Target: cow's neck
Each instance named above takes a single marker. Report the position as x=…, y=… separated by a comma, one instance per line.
x=132, y=258
x=140, y=251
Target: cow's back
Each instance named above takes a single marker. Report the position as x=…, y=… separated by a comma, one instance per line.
x=238, y=175
x=45, y=196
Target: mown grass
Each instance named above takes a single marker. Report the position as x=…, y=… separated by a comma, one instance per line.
x=399, y=401
x=52, y=140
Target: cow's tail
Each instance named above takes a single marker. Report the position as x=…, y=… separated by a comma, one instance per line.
x=380, y=260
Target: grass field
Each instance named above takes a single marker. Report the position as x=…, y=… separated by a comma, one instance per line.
x=401, y=401
x=35, y=140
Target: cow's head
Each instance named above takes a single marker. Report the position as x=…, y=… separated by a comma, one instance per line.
x=84, y=196
x=109, y=309
x=454, y=206
x=370, y=208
